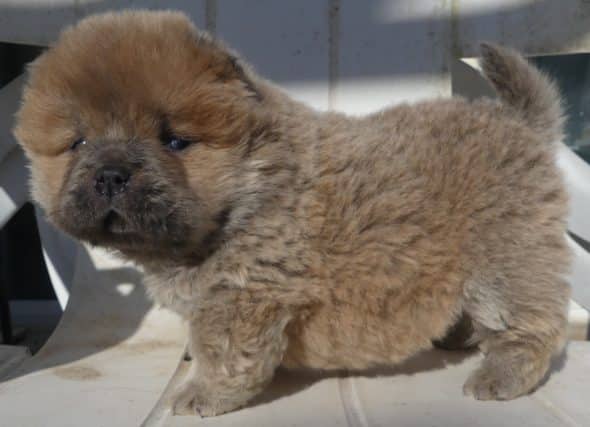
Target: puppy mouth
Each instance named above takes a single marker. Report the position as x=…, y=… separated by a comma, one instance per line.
x=114, y=222
x=114, y=228
x=132, y=224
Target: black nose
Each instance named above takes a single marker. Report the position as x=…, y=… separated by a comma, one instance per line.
x=111, y=180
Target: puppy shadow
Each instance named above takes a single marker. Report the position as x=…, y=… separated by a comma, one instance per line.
x=288, y=382
x=106, y=306
x=557, y=364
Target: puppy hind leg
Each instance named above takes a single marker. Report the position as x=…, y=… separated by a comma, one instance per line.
x=459, y=337
x=520, y=331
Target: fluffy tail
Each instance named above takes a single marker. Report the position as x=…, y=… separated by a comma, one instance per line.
x=530, y=92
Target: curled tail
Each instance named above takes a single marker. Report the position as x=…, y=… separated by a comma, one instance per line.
x=526, y=89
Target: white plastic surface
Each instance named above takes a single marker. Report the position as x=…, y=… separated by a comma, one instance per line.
x=13, y=184
x=59, y=252
x=577, y=176
x=108, y=361
x=426, y=391
x=12, y=356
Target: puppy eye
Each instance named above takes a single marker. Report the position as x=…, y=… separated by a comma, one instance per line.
x=175, y=143
x=78, y=142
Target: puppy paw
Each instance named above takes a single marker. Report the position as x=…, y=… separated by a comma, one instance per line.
x=489, y=383
x=191, y=399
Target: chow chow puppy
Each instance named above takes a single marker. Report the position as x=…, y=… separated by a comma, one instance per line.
x=287, y=236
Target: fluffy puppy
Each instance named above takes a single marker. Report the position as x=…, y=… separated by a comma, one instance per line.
x=285, y=236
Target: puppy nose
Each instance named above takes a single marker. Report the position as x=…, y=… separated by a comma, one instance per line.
x=111, y=180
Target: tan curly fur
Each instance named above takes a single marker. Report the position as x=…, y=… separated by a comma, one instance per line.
x=286, y=236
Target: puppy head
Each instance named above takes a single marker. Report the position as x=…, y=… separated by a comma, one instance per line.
x=137, y=127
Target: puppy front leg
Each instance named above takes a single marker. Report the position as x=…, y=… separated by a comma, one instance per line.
x=237, y=341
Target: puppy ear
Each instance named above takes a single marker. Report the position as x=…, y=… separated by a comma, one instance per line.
x=226, y=65
x=234, y=70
